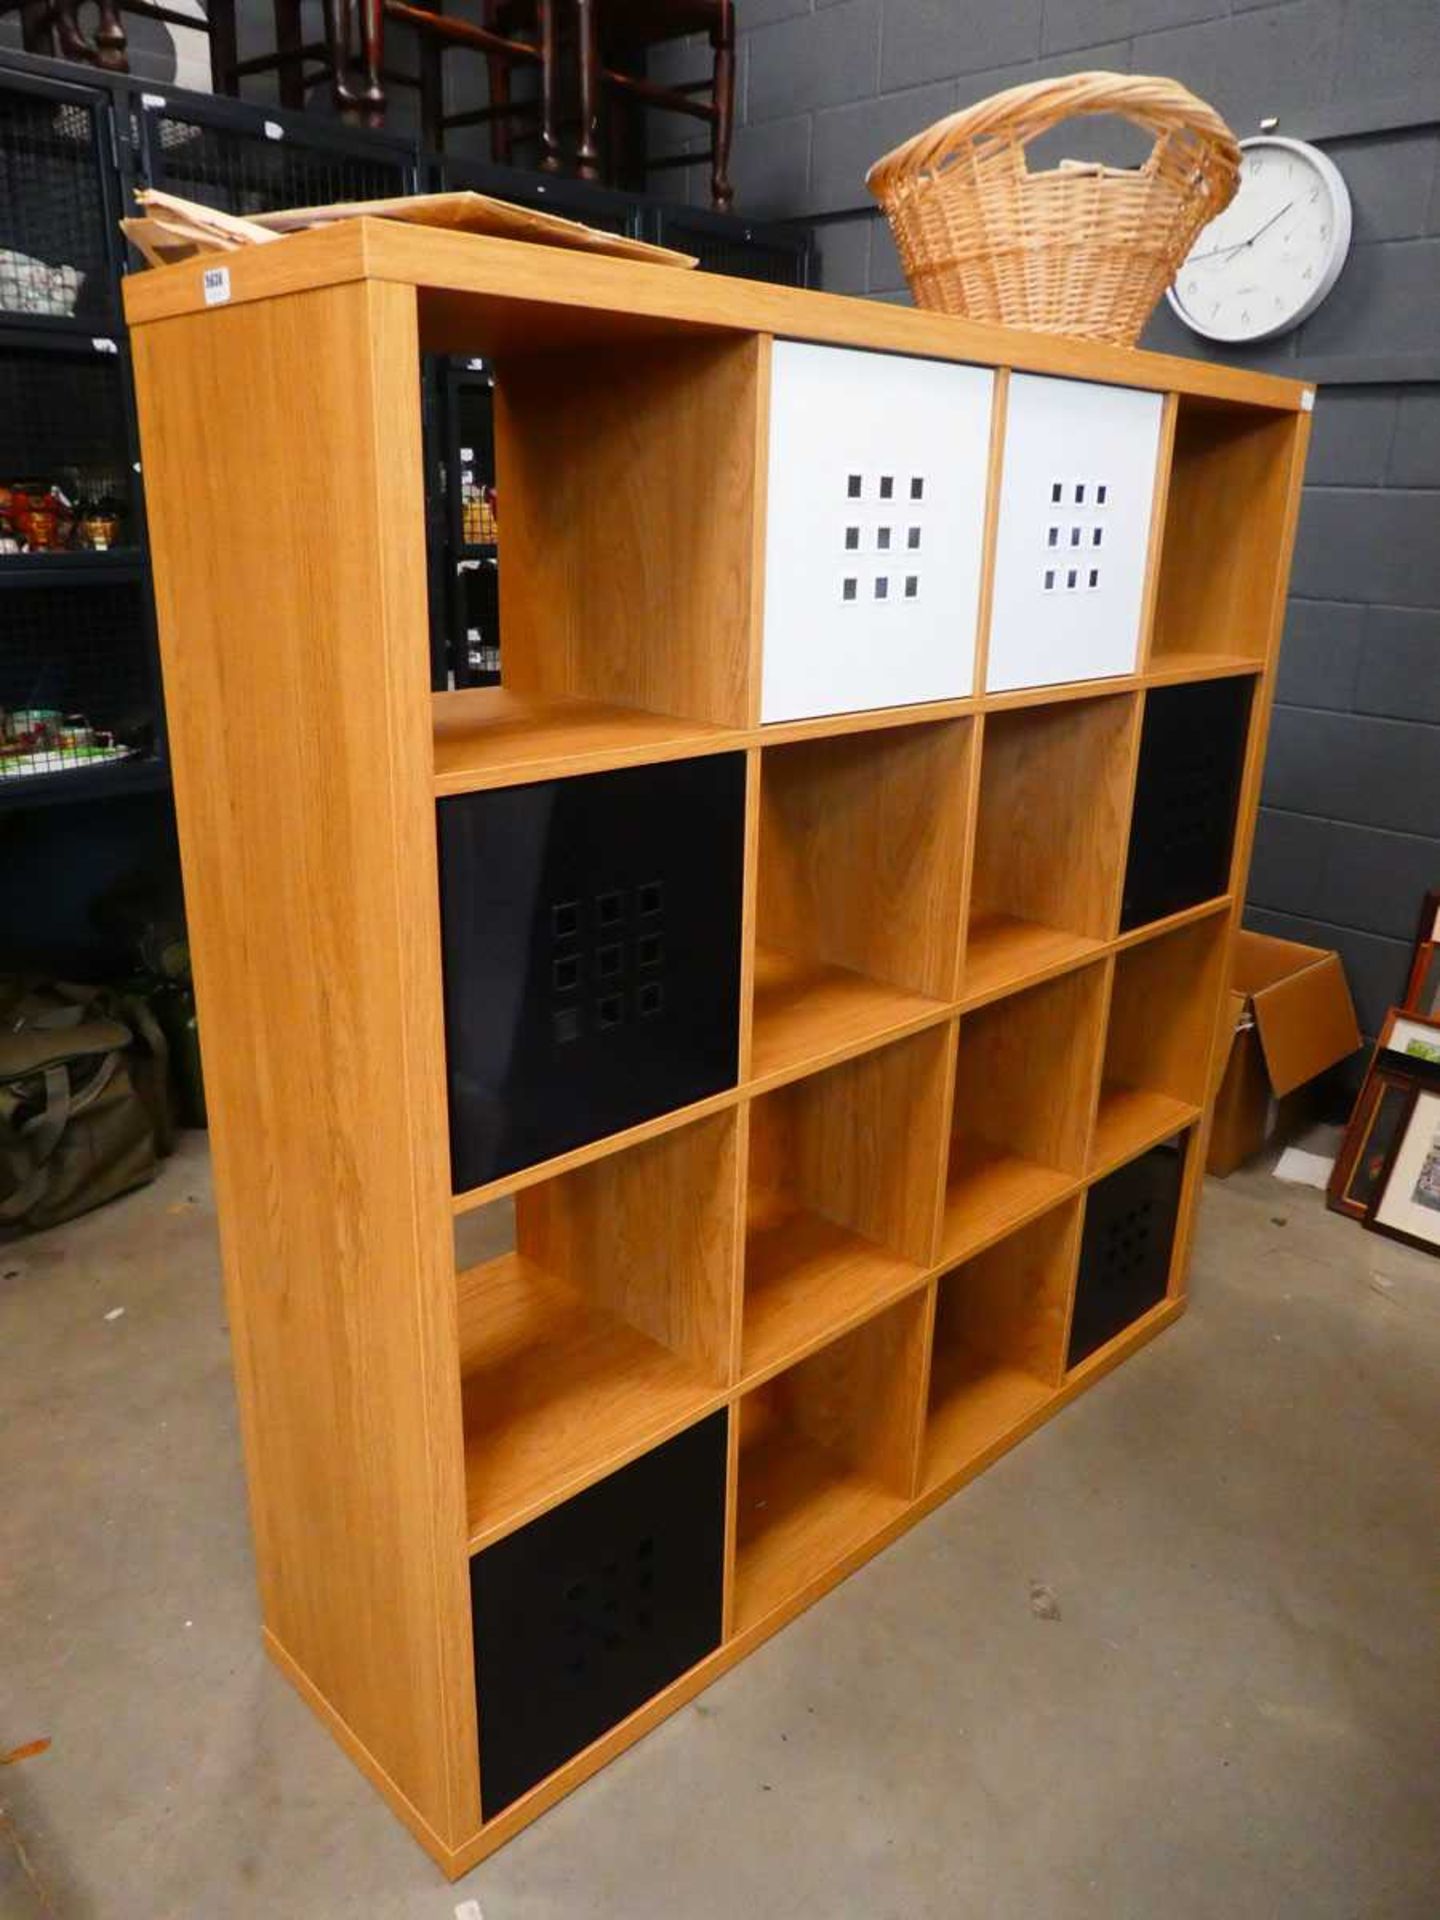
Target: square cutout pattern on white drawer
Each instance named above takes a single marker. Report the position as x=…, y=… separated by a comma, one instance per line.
x=1076, y=493
x=874, y=531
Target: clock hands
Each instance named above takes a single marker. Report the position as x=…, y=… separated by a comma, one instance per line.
x=1240, y=245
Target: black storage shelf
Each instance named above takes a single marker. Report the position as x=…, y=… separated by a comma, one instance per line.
x=246, y=160
x=58, y=204
x=67, y=418
x=780, y=255
x=81, y=642
x=71, y=150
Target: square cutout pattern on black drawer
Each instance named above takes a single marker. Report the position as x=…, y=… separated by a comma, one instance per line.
x=1125, y=1248
x=592, y=956
x=1192, y=756
x=594, y=1608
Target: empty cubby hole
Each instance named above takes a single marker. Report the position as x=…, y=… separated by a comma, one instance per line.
x=845, y=1176
x=1049, y=837
x=1126, y=1247
x=1193, y=741
x=861, y=864
x=1025, y=1084
x=999, y=1343
x=624, y=587
x=829, y=1453
x=1222, y=554
x=597, y=1315
x=1164, y=1003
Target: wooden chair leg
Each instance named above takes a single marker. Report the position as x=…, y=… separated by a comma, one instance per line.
x=587, y=153
x=502, y=140
x=290, y=73
x=549, y=86
x=112, y=47
x=432, y=93
x=722, y=194
x=37, y=28
x=372, y=60
x=224, y=49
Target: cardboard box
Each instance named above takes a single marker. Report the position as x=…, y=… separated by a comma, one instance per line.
x=1291, y=1018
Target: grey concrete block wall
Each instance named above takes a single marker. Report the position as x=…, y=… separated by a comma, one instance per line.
x=1350, y=823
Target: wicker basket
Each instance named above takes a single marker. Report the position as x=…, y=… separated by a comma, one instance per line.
x=1082, y=249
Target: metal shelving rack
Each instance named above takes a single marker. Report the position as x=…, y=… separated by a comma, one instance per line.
x=71, y=150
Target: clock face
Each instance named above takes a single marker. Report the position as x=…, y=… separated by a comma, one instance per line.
x=1275, y=252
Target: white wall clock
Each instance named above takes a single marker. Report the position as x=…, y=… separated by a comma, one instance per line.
x=1275, y=252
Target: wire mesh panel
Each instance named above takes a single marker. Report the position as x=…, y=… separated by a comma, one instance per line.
x=76, y=689
x=723, y=245
x=54, y=258
x=63, y=426
x=244, y=171
x=478, y=592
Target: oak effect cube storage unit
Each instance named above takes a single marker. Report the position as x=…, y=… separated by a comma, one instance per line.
x=681, y=1112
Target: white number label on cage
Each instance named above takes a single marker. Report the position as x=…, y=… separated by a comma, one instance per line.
x=1076, y=492
x=876, y=516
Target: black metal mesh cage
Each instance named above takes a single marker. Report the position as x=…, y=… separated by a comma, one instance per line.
x=747, y=253
x=53, y=258
x=75, y=680
x=478, y=587
x=243, y=173
x=62, y=422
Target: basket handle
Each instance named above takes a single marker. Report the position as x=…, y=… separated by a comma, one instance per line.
x=1020, y=114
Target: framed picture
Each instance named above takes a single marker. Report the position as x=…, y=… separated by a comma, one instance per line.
x=1383, y=1103
x=1422, y=989
x=1412, y=1036
x=1406, y=1057
x=1406, y=1203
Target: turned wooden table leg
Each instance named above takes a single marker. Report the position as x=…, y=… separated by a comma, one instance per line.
x=587, y=153
x=549, y=83
x=224, y=50
x=722, y=194
x=372, y=58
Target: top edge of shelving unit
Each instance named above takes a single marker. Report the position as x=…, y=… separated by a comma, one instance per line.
x=533, y=298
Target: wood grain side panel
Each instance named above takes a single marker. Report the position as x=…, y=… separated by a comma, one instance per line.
x=283, y=478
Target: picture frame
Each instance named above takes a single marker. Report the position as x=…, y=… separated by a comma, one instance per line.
x=1406, y=1056
x=1406, y=1203
x=1422, y=986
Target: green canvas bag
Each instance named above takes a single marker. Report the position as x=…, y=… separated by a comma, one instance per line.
x=84, y=1104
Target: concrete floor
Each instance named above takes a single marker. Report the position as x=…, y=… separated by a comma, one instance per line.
x=1236, y=1712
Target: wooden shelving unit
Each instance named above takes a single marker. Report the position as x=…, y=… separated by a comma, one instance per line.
x=830, y=1094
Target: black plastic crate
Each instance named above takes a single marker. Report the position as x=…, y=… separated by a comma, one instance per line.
x=244, y=160
x=56, y=260
x=591, y=932
x=1187, y=792
x=78, y=652
x=724, y=244
x=1125, y=1248
x=65, y=422
x=593, y=1609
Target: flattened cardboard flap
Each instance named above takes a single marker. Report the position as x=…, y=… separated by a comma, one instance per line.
x=1303, y=1010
